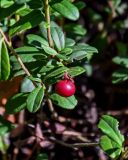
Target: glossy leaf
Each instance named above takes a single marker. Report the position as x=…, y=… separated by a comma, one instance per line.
x=4, y=61
x=64, y=102
x=57, y=72
x=41, y=43
x=26, y=22
x=6, y=12
x=37, y=40
x=35, y=98
x=16, y=103
x=69, y=42
x=66, y=9
x=66, y=51
x=75, y=71
x=28, y=54
x=58, y=38
x=82, y=51
x=23, y=11
x=110, y=147
x=109, y=126
x=27, y=86
x=49, y=50
x=120, y=75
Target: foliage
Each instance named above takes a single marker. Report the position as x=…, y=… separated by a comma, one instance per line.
x=53, y=61
x=112, y=140
x=50, y=48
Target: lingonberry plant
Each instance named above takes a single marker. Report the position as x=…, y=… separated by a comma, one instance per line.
x=48, y=61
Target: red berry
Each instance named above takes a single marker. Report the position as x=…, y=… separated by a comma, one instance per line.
x=65, y=88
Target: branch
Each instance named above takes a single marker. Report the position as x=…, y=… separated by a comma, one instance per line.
x=9, y=44
x=75, y=145
x=47, y=18
x=51, y=108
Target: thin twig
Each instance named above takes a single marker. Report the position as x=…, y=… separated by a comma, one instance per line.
x=9, y=44
x=47, y=18
x=75, y=145
x=15, y=54
x=51, y=108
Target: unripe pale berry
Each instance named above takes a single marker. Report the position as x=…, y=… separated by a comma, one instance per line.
x=65, y=88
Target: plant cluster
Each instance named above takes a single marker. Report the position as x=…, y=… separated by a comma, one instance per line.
x=48, y=58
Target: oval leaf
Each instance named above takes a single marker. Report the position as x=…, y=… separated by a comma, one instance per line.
x=58, y=38
x=36, y=40
x=64, y=102
x=16, y=103
x=28, y=54
x=35, y=98
x=75, y=71
x=59, y=71
x=109, y=126
x=27, y=85
x=4, y=61
x=66, y=9
x=110, y=147
x=26, y=22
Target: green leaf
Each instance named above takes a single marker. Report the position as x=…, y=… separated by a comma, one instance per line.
x=75, y=28
x=23, y=11
x=66, y=9
x=50, y=50
x=58, y=38
x=109, y=126
x=27, y=85
x=80, y=5
x=21, y=1
x=46, y=69
x=69, y=42
x=62, y=57
x=6, y=12
x=64, y=102
x=42, y=156
x=75, y=71
x=6, y=3
x=55, y=1
x=123, y=61
x=82, y=51
x=56, y=72
x=28, y=54
x=66, y=51
x=110, y=147
x=120, y=75
x=37, y=40
x=16, y=103
x=35, y=4
x=38, y=80
x=4, y=61
x=35, y=98
x=41, y=43
x=26, y=22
